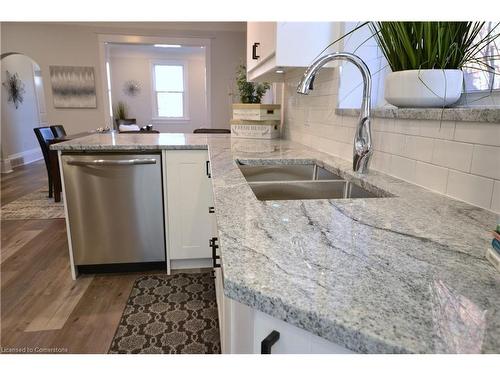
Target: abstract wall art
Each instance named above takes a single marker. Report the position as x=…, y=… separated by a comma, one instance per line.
x=73, y=86
x=15, y=89
x=131, y=88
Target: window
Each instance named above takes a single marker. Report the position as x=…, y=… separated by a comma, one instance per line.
x=484, y=80
x=169, y=86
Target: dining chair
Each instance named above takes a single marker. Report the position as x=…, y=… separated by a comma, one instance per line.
x=211, y=131
x=44, y=134
x=58, y=130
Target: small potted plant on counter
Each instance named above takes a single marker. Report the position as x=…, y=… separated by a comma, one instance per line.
x=120, y=114
x=427, y=58
x=251, y=119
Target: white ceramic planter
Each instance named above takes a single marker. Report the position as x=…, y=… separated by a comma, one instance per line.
x=424, y=88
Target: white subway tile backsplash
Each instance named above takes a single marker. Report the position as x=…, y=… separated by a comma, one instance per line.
x=381, y=161
x=324, y=116
x=407, y=127
x=383, y=124
x=495, y=201
x=454, y=155
x=349, y=121
x=437, y=129
x=418, y=148
x=478, y=132
x=389, y=142
x=431, y=176
x=397, y=143
x=486, y=161
x=403, y=168
x=469, y=188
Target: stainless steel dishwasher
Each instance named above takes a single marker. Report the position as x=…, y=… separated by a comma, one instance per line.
x=115, y=208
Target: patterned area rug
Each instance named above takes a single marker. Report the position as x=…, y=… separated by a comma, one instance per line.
x=170, y=314
x=35, y=205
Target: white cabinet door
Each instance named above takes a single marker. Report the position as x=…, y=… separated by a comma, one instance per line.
x=292, y=340
x=286, y=45
x=243, y=329
x=189, y=195
x=263, y=36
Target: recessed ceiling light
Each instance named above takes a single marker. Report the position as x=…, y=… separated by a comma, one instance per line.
x=280, y=71
x=168, y=45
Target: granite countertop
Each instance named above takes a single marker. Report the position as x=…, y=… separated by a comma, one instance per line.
x=405, y=274
x=474, y=114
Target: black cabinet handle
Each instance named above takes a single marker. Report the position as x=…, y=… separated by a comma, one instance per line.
x=211, y=210
x=268, y=342
x=214, y=246
x=254, y=51
x=208, y=169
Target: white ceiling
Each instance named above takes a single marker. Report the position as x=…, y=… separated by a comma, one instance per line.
x=181, y=26
x=116, y=50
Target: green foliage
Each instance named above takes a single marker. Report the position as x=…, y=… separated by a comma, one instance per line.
x=433, y=45
x=120, y=111
x=250, y=92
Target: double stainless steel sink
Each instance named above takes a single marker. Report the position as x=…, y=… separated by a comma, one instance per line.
x=299, y=181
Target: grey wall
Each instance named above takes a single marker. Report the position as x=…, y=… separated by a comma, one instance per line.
x=17, y=124
x=77, y=44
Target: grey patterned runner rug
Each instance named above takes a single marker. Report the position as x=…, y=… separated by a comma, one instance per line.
x=170, y=314
x=36, y=205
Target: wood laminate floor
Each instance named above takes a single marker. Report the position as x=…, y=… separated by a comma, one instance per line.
x=42, y=308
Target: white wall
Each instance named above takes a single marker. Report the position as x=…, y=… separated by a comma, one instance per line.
x=77, y=45
x=458, y=159
x=18, y=138
x=134, y=63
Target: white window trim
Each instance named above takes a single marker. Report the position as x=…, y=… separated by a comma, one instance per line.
x=185, y=97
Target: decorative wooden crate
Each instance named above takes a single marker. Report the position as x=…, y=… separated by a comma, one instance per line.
x=255, y=129
x=256, y=112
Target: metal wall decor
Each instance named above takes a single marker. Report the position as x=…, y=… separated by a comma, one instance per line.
x=131, y=88
x=73, y=86
x=15, y=88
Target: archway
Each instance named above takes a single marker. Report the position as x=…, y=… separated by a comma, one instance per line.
x=20, y=113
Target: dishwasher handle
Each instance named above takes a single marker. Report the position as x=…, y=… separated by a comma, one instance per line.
x=101, y=162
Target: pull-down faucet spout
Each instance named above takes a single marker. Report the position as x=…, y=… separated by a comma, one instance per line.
x=362, y=149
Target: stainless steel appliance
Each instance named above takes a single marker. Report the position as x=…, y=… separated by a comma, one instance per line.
x=115, y=207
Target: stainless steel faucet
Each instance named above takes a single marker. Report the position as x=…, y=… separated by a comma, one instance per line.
x=362, y=139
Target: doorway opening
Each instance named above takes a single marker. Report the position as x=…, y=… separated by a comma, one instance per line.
x=158, y=84
x=23, y=109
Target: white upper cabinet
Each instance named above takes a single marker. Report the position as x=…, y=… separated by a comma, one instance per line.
x=278, y=46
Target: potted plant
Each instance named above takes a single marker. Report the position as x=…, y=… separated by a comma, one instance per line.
x=427, y=58
x=251, y=119
x=120, y=114
x=250, y=95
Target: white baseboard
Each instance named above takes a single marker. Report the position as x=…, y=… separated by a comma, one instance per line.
x=5, y=166
x=25, y=157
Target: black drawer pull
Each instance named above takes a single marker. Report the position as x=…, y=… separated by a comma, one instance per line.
x=254, y=51
x=208, y=169
x=268, y=342
x=211, y=210
x=215, y=257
